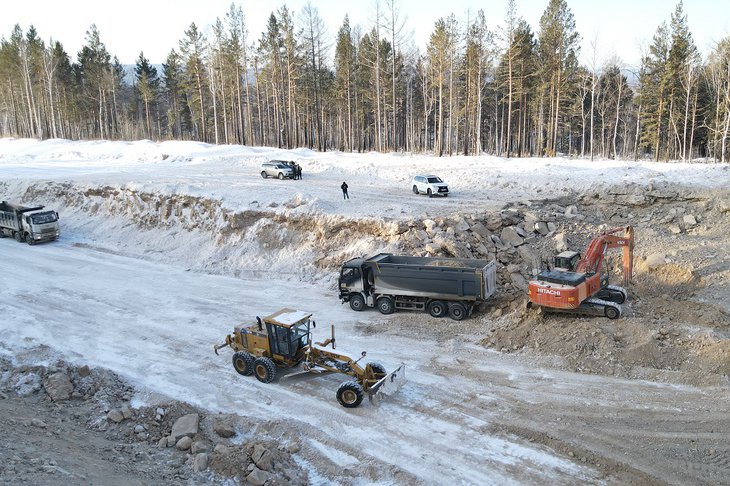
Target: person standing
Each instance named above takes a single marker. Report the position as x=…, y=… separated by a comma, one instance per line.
x=344, y=191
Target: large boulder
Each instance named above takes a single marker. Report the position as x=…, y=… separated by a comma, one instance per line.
x=262, y=457
x=59, y=387
x=224, y=430
x=510, y=236
x=187, y=425
x=257, y=477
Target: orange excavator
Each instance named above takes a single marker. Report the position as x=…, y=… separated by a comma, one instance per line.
x=576, y=285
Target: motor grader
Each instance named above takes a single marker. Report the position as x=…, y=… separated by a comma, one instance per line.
x=284, y=340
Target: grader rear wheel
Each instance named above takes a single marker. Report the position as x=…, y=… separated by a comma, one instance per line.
x=243, y=363
x=350, y=394
x=264, y=369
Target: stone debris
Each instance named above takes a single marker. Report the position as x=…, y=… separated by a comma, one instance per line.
x=58, y=386
x=187, y=425
x=224, y=430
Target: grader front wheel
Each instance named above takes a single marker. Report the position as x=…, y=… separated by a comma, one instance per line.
x=350, y=394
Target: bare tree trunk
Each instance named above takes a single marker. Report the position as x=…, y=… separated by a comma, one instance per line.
x=618, y=108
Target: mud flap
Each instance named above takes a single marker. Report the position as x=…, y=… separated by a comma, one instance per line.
x=388, y=385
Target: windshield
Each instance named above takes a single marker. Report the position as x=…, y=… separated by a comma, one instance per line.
x=433, y=180
x=41, y=218
x=281, y=166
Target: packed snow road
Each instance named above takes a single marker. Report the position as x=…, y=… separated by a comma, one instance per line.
x=466, y=416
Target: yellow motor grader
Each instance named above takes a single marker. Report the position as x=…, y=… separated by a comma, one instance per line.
x=284, y=340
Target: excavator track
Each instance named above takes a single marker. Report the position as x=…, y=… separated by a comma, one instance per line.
x=613, y=293
x=591, y=307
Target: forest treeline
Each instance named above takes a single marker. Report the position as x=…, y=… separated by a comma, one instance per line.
x=509, y=92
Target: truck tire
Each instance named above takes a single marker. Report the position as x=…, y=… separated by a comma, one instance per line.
x=350, y=394
x=385, y=305
x=18, y=237
x=264, y=369
x=357, y=303
x=29, y=240
x=243, y=363
x=437, y=308
x=457, y=311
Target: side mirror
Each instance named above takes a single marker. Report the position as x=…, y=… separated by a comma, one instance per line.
x=314, y=324
x=258, y=320
x=363, y=354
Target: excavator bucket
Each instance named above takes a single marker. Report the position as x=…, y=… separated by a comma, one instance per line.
x=388, y=385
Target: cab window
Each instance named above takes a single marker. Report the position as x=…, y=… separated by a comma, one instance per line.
x=350, y=274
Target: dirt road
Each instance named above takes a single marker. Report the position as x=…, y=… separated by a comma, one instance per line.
x=467, y=414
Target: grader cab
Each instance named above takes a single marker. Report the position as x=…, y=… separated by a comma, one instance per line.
x=284, y=340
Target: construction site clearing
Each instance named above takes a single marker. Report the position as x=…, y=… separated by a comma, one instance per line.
x=109, y=376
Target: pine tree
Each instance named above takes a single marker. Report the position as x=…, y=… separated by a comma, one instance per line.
x=558, y=46
x=147, y=89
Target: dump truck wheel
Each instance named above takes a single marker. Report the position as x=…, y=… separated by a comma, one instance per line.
x=243, y=363
x=437, y=308
x=350, y=394
x=385, y=305
x=264, y=369
x=378, y=369
x=457, y=311
x=357, y=303
x=18, y=237
x=612, y=312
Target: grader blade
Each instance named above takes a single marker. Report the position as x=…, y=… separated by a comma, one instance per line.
x=388, y=385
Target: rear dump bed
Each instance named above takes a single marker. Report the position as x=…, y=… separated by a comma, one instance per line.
x=437, y=278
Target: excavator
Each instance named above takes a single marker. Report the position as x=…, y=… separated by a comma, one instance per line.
x=576, y=285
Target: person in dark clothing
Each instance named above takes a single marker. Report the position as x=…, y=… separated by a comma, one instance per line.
x=298, y=170
x=344, y=191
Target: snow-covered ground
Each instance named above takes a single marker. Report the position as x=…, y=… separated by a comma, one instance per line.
x=379, y=184
x=152, y=320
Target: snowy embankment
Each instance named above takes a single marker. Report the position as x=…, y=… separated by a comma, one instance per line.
x=160, y=200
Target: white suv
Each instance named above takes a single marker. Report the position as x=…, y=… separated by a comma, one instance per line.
x=277, y=168
x=429, y=184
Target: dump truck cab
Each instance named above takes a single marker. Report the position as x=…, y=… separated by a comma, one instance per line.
x=351, y=278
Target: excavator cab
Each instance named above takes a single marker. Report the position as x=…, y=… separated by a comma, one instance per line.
x=567, y=261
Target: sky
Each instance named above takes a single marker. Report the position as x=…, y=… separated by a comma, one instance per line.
x=620, y=28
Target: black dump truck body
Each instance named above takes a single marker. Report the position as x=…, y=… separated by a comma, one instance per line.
x=438, y=285
x=29, y=224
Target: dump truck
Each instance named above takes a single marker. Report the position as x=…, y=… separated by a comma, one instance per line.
x=30, y=224
x=284, y=340
x=440, y=286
